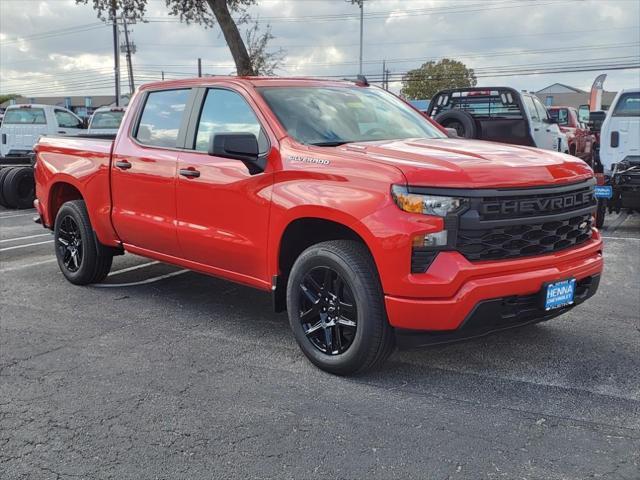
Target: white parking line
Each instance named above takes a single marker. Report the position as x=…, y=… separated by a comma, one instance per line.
x=135, y=267
x=24, y=238
x=27, y=265
x=17, y=215
x=15, y=247
x=141, y=282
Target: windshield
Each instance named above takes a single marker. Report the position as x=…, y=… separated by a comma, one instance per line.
x=106, y=119
x=335, y=115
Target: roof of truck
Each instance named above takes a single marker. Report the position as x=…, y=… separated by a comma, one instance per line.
x=252, y=81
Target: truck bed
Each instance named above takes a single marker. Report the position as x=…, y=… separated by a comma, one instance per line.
x=84, y=163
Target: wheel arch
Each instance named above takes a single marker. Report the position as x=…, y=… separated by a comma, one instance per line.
x=306, y=230
x=60, y=192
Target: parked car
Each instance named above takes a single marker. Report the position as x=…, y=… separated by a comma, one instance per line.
x=106, y=121
x=580, y=138
x=620, y=154
x=498, y=114
x=358, y=214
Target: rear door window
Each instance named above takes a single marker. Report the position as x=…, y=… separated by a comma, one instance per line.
x=628, y=105
x=161, y=118
x=24, y=116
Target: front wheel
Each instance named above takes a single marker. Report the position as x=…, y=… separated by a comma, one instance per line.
x=336, y=308
x=79, y=258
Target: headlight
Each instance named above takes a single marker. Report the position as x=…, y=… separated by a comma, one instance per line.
x=426, y=204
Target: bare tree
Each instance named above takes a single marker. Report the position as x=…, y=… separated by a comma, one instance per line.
x=262, y=60
x=206, y=13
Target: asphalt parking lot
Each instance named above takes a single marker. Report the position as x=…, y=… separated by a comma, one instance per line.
x=162, y=373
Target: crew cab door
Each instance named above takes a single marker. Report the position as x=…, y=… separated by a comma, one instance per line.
x=143, y=172
x=222, y=209
x=549, y=132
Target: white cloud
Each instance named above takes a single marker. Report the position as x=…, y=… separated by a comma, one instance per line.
x=81, y=61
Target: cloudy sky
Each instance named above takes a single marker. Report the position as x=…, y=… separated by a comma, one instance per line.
x=56, y=47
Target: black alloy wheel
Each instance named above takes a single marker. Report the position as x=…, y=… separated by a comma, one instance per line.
x=328, y=312
x=70, y=244
x=81, y=257
x=336, y=308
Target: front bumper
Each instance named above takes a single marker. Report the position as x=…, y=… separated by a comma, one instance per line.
x=497, y=314
x=455, y=287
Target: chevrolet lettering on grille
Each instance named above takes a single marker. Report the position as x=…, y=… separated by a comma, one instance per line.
x=538, y=205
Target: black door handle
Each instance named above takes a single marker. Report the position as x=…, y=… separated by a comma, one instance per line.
x=189, y=172
x=536, y=129
x=62, y=131
x=123, y=164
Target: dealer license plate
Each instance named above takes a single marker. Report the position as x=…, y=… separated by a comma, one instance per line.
x=603, y=191
x=559, y=294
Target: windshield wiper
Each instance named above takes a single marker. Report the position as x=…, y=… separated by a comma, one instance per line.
x=334, y=143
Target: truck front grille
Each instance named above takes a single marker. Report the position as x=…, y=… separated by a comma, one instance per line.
x=524, y=240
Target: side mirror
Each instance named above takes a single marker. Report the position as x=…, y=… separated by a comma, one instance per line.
x=550, y=121
x=452, y=132
x=238, y=146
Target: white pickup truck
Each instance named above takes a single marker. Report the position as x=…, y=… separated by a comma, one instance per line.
x=22, y=125
x=21, y=128
x=620, y=154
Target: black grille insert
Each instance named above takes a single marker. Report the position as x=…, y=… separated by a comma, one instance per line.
x=511, y=241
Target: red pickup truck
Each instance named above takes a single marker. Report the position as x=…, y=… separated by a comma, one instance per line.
x=581, y=140
x=362, y=218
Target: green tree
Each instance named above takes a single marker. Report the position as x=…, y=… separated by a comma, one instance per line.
x=424, y=82
x=204, y=12
x=8, y=96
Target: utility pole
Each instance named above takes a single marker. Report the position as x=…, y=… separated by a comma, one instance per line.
x=116, y=51
x=199, y=67
x=163, y=75
x=130, y=48
x=361, y=2
x=384, y=69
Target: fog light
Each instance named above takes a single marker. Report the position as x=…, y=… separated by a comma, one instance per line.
x=438, y=239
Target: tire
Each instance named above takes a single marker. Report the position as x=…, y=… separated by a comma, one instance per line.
x=601, y=212
x=3, y=174
x=462, y=122
x=73, y=232
x=359, y=338
x=18, y=188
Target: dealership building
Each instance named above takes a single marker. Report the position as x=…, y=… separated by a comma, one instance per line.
x=565, y=95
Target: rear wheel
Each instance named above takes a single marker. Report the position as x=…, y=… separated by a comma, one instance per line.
x=336, y=308
x=77, y=252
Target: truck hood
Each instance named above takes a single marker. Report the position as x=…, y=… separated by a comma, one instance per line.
x=459, y=163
